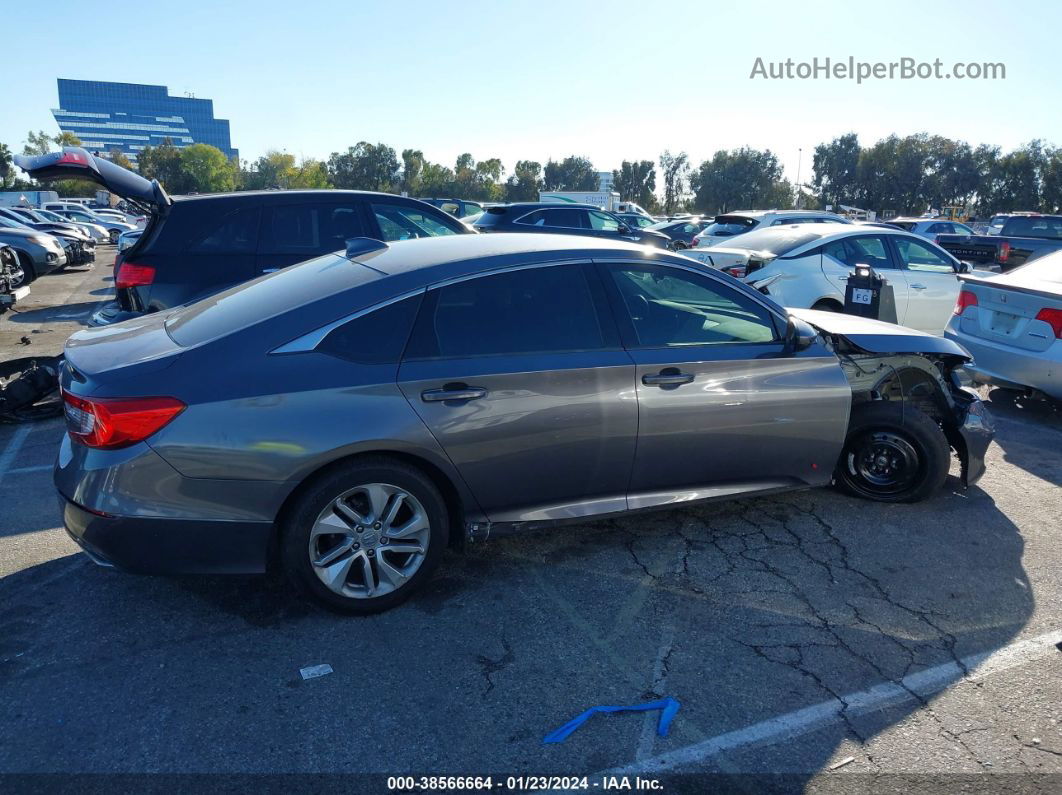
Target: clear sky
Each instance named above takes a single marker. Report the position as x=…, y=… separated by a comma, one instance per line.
x=536, y=79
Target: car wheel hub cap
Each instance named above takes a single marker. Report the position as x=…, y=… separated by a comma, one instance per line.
x=369, y=541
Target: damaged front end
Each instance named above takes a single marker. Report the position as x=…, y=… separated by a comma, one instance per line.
x=883, y=361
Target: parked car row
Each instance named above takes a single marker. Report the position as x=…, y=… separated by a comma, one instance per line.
x=346, y=416
x=78, y=245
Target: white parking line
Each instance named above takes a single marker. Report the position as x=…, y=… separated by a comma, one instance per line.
x=804, y=721
x=14, y=444
x=24, y=470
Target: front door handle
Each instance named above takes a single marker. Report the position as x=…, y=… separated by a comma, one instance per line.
x=918, y=287
x=455, y=392
x=669, y=376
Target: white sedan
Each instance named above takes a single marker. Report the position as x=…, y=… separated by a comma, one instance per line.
x=808, y=265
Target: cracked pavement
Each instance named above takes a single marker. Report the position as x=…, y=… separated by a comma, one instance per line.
x=742, y=610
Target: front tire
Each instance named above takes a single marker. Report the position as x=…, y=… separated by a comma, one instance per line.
x=365, y=535
x=24, y=273
x=893, y=453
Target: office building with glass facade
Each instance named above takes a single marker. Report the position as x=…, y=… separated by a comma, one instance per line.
x=130, y=116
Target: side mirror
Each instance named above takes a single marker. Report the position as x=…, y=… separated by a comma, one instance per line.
x=962, y=267
x=799, y=335
x=623, y=229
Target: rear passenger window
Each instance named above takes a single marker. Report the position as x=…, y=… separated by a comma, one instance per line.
x=402, y=222
x=535, y=310
x=377, y=337
x=236, y=234
x=560, y=217
x=312, y=229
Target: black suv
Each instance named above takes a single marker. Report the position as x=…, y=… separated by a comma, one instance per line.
x=194, y=246
x=564, y=219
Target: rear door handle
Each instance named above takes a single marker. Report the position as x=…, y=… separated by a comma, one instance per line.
x=459, y=393
x=918, y=287
x=669, y=376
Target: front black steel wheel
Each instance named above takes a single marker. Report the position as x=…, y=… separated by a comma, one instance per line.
x=893, y=453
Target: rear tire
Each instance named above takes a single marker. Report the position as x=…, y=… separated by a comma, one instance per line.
x=365, y=535
x=893, y=453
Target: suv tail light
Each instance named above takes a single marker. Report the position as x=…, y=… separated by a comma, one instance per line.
x=737, y=271
x=133, y=275
x=110, y=423
x=1053, y=318
x=1004, y=253
x=965, y=299
x=696, y=241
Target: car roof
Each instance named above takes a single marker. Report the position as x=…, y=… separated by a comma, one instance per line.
x=281, y=195
x=761, y=213
x=822, y=233
x=537, y=205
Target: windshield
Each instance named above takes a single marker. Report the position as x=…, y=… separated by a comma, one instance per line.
x=730, y=225
x=7, y=222
x=776, y=240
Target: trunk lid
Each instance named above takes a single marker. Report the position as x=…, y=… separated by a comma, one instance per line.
x=136, y=346
x=76, y=163
x=1006, y=311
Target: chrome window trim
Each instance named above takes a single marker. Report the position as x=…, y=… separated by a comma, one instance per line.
x=309, y=341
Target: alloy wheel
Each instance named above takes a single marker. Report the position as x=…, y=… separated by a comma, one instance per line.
x=369, y=541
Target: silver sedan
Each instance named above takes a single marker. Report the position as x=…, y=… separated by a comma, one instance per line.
x=1012, y=325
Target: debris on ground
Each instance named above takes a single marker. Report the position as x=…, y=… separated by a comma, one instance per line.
x=314, y=671
x=842, y=763
x=669, y=707
x=29, y=389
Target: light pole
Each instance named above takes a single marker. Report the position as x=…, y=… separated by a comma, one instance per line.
x=800, y=157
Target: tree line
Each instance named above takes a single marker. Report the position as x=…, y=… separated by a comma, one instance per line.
x=896, y=175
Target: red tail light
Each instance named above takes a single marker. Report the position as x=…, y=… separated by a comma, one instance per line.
x=111, y=423
x=1004, y=253
x=1053, y=318
x=737, y=271
x=966, y=298
x=132, y=275
x=696, y=241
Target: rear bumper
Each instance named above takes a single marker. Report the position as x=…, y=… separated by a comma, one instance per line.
x=1007, y=366
x=167, y=546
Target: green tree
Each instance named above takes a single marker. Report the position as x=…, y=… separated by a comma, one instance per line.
x=163, y=162
x=436, y=180
x=279, y=170
x=740, y=179
x=119, y=159
x=676, y=169
x=835, y=166
x=525, y=183
x=571, y=173
x=635, y=180
x=6, y=163
x=412, y=169
x=207, y=169
x=365, y=167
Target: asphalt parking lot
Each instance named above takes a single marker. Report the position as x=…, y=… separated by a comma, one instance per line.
x=809, y=634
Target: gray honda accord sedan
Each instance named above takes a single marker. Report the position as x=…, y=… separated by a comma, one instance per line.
x=347, y=418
